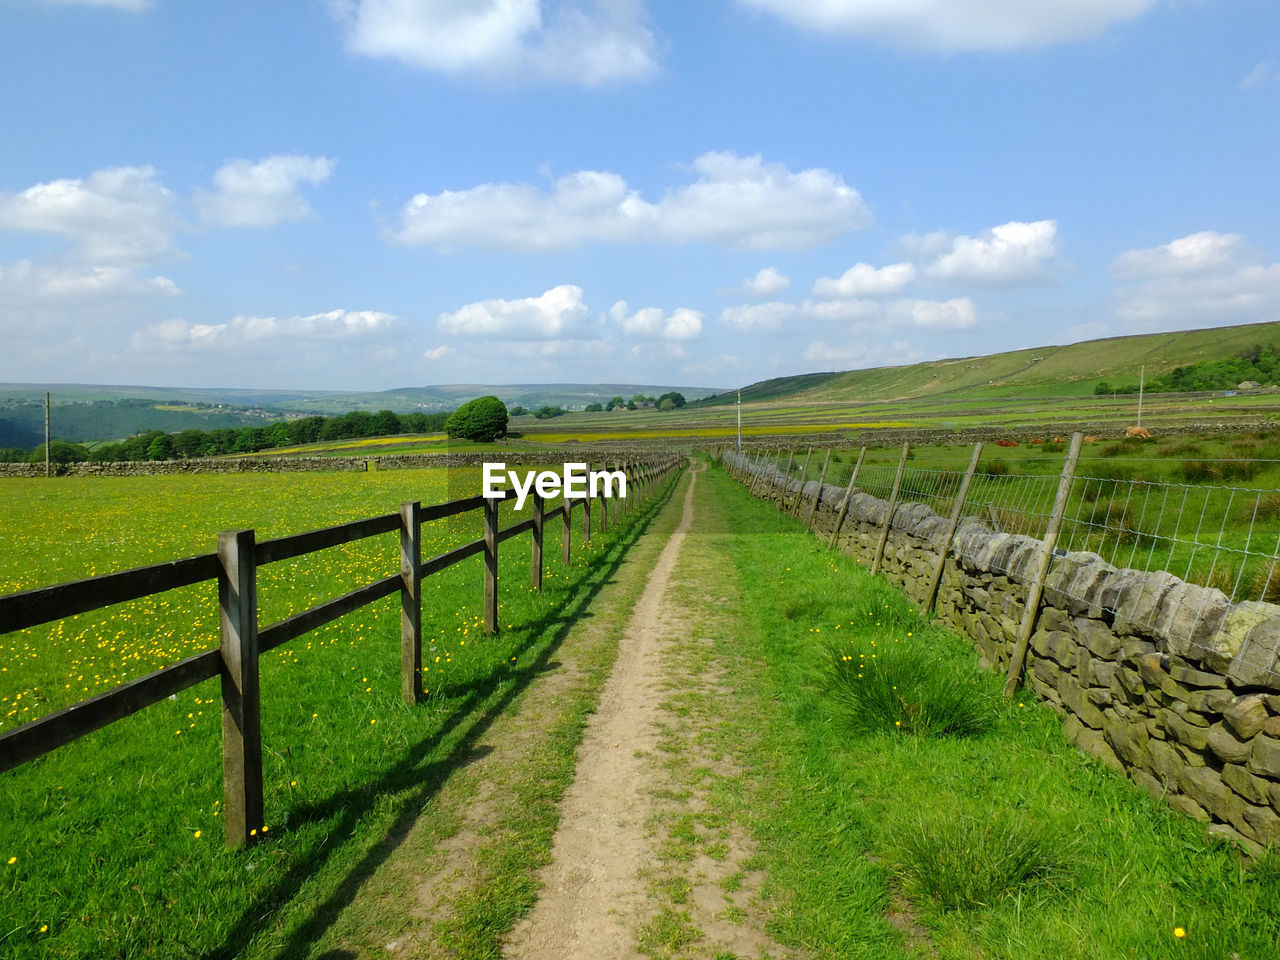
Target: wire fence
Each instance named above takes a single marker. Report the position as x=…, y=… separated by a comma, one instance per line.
x=1194, y=564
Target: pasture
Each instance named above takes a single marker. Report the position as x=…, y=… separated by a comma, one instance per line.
x=116, y=838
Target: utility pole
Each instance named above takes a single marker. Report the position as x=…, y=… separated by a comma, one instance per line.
x=46, y=434
x=1142, y=380
x=739, y=420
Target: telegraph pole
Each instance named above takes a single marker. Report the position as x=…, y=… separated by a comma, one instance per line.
x=46, y=434
x=1142, y=380
x=739, y=420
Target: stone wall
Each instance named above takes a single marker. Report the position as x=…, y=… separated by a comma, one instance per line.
x=1165, y=681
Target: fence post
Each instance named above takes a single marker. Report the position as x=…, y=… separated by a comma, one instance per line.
x=241, y=692
x=566, y=531
x=786, y=477
x=848, y=495
x=586, y=518
x=822, y=478
x=491, y=564
x=535, y=560
x=956, y=509
x=893, y=507
x=411, y=601
x=1032, y=609
x=804, y=472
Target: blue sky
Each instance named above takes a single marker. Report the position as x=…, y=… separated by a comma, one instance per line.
x=366, y=194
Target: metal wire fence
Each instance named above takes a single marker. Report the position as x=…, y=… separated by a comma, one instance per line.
x=1194, y=564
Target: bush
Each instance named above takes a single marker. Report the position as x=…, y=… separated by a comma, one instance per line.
x=1199, y=471
x=963, y=863
x=482, y=420
x=60, y=452
x=994, y=468
x=548, y=412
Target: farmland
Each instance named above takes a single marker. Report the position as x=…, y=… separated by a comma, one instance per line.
x=116, y=838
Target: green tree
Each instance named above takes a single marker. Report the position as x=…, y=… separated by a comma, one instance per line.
x=161, y=448
x=278, y=435
x=189, y=443
x=547, y=412
x=519, y=411
x=666, y=403
x=386, y=423
x=594, y=408
x=615, y=403
x=60, y=452
x=483, y=420
x=677, y=400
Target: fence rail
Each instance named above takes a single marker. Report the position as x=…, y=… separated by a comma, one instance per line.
x=234, y=566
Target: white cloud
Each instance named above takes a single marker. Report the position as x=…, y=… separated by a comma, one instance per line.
x=735, y=201
x=559, y=313
x=957, y=24
x=442, y=352
x=116, y=216
x=861, y=353
x=25, y=283
x=864, y=280
x=759, y=316
x=587, y=43
x=957, y=314
x=1010, y=253
x=649, y=322
x=768, y=282
x=1197, y=253
x=261, y=194
x=336, y=325
x=834, y=311
x=1203, y=278
x=1262, y=74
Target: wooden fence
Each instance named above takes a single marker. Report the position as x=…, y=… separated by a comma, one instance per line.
x=234, y=565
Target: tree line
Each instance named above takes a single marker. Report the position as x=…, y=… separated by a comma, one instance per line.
x=1259, y=363
x=192, y=442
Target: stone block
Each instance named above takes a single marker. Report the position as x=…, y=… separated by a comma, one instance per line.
x=1208, y=701
x=1188, y=676
x=1091, y=742
x=1264, y=760
x=1246, y=715
x=1148, y=783
x=1197, y=738
x=1135, y=597
x=1131, y=683
x=1165, y=760
x=1238, y=778
x=1272, y=727
x=1264, y=824
x=1097, y=636
x=1129, y=740
x=1098, y=673
x=1101, y=696
x=1184, y=804
x=1227, y=746
x=1205, y=786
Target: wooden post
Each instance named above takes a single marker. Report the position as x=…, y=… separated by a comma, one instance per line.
x=48, y=401
x=786, y=477
x=586, y=518
x=956, y=508
x=241, y=692
x=804, y=472
x=893, y=507
x=1032, y=609
x=411, y=601
x=491, y=564
x=822, y=478
x=848, y=495
x=535, y=560
x=566, y=531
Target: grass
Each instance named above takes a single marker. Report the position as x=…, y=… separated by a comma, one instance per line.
x=113, y=845
x=834, y=812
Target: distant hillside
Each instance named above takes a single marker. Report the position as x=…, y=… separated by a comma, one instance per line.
x=90, y=412
x=1071, y=370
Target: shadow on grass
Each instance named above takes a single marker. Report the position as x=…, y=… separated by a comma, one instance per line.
x=418, y=782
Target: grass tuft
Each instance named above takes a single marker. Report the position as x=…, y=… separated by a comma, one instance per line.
x=900, y=684
x=961, y=862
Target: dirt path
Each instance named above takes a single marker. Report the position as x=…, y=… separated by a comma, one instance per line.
x=641, y=864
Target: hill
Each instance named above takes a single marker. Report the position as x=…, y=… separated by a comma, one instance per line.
x=1070, y=370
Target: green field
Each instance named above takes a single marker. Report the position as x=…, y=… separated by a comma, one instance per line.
x=116, y=839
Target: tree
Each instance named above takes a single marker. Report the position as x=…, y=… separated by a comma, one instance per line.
x=666, y=403
x=547, y=412
x=61, y=452
x=161, y=448
x=519, y=411
x=386, y=423
x=594, y=408
x=615, y=403
x=677, y=400
x=278, y=435
x=483, y=420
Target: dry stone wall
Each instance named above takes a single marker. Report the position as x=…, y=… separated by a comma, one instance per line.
x=1165, y=681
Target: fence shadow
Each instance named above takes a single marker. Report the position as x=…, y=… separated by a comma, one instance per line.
x=346, y=808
